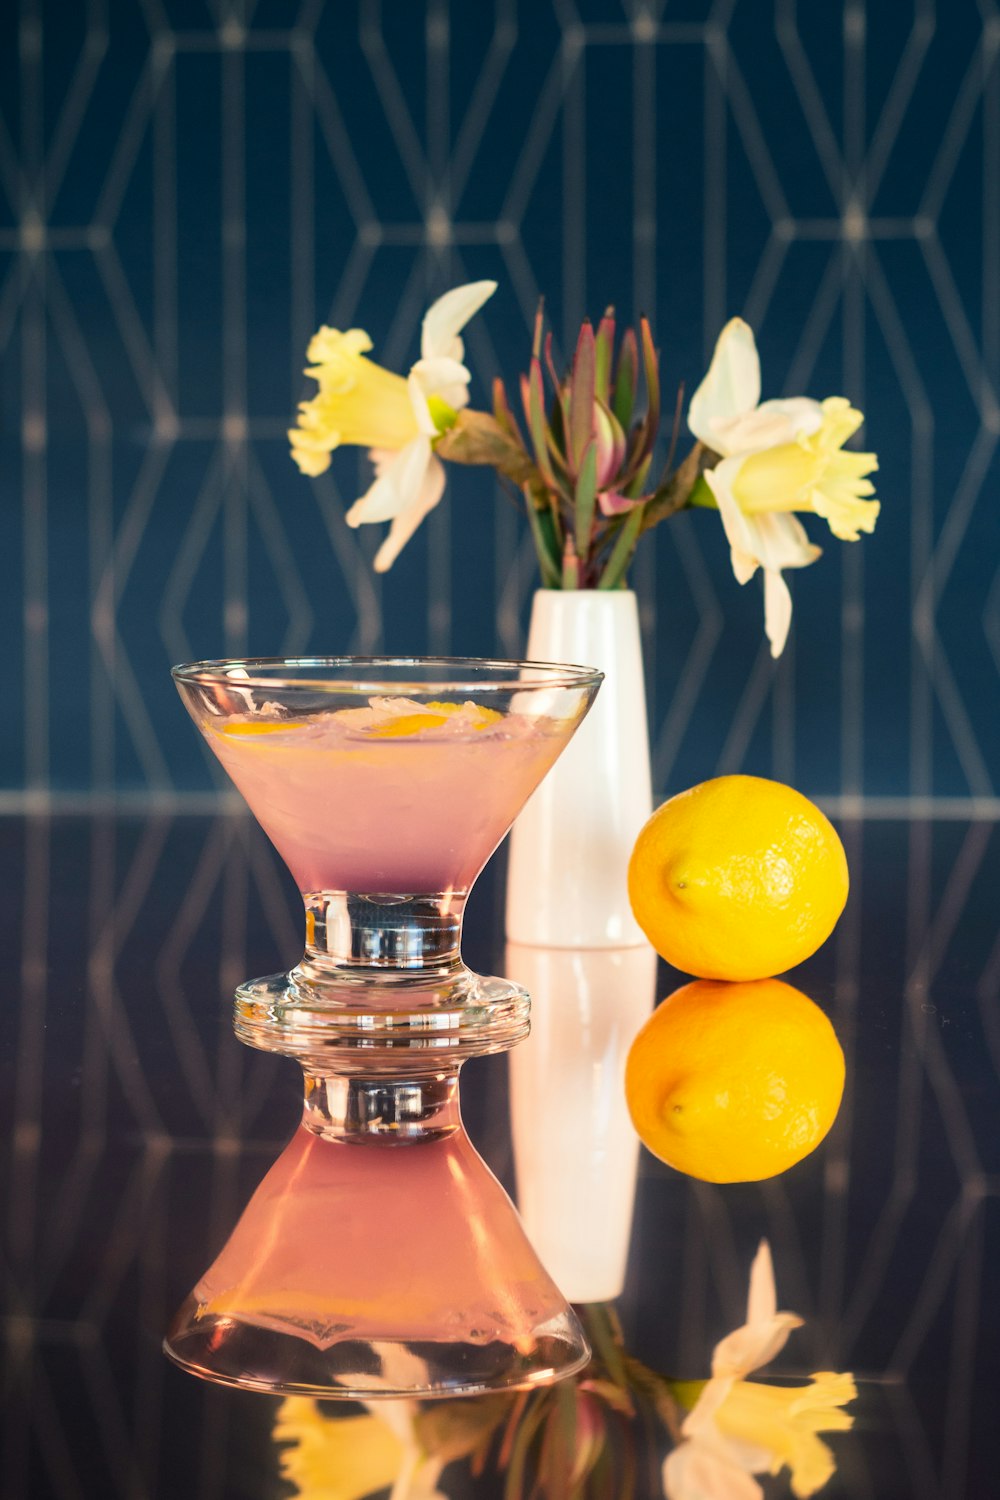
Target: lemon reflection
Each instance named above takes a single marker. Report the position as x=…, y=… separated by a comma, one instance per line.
x=735, y=1082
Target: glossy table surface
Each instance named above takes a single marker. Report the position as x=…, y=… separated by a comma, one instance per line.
x=135, y=1128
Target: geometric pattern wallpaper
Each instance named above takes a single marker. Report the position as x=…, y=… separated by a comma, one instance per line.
x=188, y=187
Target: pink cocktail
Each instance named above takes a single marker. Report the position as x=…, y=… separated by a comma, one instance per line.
x=396, y=796
x=385, y=784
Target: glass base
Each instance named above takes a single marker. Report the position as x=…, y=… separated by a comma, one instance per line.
x=367, y=1018
x=382, y=975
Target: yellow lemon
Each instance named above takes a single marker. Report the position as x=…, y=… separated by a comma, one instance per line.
x=738, y=878
x=734, y=1082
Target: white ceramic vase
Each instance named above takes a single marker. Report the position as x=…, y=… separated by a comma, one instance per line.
x=575, y=1150
x=570, y=847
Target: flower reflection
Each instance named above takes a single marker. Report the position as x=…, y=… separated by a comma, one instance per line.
x=595, y=1436
x=355, y=1455
x=736, y=1429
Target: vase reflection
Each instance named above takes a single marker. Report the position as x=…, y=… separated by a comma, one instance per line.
x=575, y=1149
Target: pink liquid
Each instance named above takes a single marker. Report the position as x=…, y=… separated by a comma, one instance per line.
x=349, y=809
x=378, y=1241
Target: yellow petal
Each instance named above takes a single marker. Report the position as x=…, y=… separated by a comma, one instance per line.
x=816, y=474
x=340, y=1459
x=358, y=401
x=786, y=1420
x=329, y=344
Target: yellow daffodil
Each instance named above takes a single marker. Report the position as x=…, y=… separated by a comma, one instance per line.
x=737, y=1429
x=777, y=457
x=397, y=420
x=348, y=1457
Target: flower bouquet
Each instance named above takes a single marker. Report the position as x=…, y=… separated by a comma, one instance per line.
x=588, y=454
x=583, y=453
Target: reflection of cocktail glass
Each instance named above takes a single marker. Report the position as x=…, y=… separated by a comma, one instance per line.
x=379, y=1257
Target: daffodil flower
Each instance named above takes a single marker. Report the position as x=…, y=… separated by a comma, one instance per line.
x=777, y=457
x=397, y=419
x=739, y=1428
x=348, y=1457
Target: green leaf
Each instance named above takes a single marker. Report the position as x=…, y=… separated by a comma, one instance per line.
x=536, y=340
x=531, y=1421
x=455, y=1429
x=561, y=387
x=636, y=484
x=556, y=1465
x=517, y=1409
x=585, y=501
x=570, y=566
x=599, y=1318
x=621, y=552
x=604, y=348
x=533, y=397
x=612, y=1393
x=651, y=369
x=581, y=398
x=547, y=548
x=478, y=438
x=554, y=432
x=687, y=1392
x=626, y=376
x=657, y=1390
x=502, y=412
x=603, y=1473
x=675, y=493
x=702, y=496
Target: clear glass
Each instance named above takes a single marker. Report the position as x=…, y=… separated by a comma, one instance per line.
x=380, y=1257
x=385, y=784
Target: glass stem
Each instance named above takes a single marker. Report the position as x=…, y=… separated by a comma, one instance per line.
x=346, y=930
x=366, y=1111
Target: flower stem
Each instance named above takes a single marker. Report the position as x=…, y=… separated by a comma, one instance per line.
x=676, y=493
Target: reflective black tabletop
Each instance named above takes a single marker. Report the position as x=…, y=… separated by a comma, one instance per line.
x=136, y=1128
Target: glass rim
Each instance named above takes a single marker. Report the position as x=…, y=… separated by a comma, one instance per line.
x=261, y=672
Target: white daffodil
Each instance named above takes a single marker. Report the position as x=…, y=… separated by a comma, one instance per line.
x=397, y=420
x=777, y=457
x=737, y=1429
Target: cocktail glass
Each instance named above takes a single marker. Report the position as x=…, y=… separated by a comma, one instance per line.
x=380, y=1257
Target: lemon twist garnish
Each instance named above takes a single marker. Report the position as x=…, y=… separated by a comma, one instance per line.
x=436, y=714
x=260, y=726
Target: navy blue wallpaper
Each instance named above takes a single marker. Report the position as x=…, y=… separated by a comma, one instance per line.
x=188, y=187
